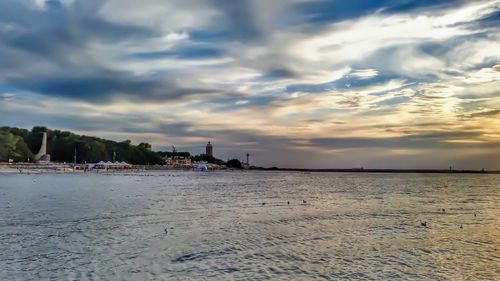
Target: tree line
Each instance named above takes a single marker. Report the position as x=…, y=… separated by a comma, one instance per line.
x=21, y=144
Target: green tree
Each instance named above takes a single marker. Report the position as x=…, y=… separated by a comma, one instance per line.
x=145, y=146
x=12, y=146
x=234, y=163
x=20, y=144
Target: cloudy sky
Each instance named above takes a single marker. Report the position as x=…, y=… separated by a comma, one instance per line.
x=296, y=83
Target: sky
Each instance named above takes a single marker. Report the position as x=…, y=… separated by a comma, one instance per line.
x=296, y=83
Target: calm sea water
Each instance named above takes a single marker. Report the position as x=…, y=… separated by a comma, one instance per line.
x=353, y=226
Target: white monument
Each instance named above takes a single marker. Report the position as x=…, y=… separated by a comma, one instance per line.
x=42, y=155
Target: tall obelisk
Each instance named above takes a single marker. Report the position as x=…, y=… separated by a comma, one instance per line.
x=42, y=153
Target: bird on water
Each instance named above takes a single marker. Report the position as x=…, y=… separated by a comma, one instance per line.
x=304, y=201
x=423, y=224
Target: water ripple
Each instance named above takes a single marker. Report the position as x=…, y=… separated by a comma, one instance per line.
x=353, y=226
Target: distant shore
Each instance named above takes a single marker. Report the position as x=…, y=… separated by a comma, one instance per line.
x=62, y=168
x=357, y=170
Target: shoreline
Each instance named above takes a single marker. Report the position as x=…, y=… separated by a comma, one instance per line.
x=396, y=171
x=39, y=170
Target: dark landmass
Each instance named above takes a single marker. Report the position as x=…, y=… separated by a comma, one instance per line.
x=234, y=163
x=21, y=144
x=357, y=170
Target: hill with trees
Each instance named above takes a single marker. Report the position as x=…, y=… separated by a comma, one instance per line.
x=21, y=144
x=234, y=163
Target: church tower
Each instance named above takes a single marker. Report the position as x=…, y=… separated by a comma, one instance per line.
x=209, y=150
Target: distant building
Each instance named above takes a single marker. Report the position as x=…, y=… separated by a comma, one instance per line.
x=178, y=161
x=209, y=150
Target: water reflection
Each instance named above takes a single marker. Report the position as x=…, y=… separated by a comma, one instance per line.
x=353, y=226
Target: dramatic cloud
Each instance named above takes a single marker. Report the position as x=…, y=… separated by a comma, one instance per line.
x=297, y=83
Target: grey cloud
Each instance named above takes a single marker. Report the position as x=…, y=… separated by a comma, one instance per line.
x=105, y=86
x=423, y=140
x=240, y=20
x=54, y=44
x=280, y=73
x=487, y=113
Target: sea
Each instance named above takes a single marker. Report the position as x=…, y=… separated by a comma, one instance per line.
x=250, y=225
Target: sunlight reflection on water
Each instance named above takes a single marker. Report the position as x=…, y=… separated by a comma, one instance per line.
x=353, y=226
